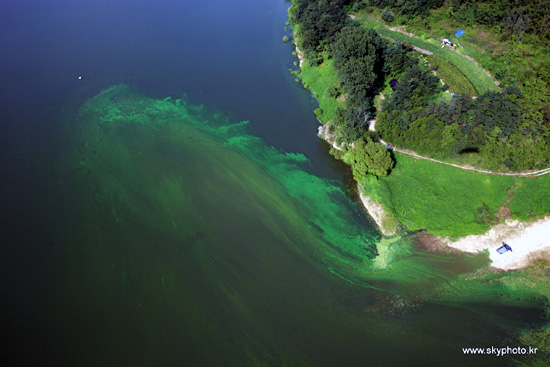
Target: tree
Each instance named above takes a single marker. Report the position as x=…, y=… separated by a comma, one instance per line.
x=387, y=16
x=368, y=157
x=358, y=59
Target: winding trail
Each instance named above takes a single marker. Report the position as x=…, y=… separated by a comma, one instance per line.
x=427, y=52
x=410, y=153
x=469, y=168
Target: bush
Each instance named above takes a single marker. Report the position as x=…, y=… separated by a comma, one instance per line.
x=359, y=5
x=387, y=16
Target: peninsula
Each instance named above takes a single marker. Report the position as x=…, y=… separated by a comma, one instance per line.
x=463, y=152
x=443, y=114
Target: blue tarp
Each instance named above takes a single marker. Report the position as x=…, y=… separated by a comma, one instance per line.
x=459, y=33
x=502, y=249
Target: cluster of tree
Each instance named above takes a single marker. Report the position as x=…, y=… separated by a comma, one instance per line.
x=511, y=16
x=490, y=126
x=508, y=130
x=414, y=89
x=319, y=22
x=494, y=126
x=490, y=111
x=325, y=30
x=358, y=55
x=412, y=7
x=368, y=157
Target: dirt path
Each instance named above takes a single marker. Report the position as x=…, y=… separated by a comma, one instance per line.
x=372, y=127
x=468, y=168
x=426, y=52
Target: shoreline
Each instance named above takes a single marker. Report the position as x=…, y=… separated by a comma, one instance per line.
x=387, y=224
x=530, y=241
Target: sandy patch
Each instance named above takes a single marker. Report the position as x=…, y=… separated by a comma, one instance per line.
x=529, y=241
x=386, y=224
x=323, y=133
x=299, y=52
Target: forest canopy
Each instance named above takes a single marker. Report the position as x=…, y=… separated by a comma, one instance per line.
x=505, y=130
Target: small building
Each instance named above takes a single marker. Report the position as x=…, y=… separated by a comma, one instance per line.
x=393, y=83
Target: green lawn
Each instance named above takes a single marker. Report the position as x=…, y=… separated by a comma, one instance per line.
x=455, y=80
x=317, y=80
x=452, y=202
x=531, y=197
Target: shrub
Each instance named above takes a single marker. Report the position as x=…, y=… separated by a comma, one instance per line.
x=387, y=16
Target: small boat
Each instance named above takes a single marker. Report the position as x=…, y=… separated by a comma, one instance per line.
x=504, y=248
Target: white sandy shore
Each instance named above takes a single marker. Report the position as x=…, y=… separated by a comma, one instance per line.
x=378, y=213
x=299, y=52
x=529, y=241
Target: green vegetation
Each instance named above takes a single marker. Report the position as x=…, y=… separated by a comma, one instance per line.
x=508, y=18
x=387, y=16
x=451, y=202
x=490, y=132
x=481, y=81
x=451, y=76
x=519, y=59
x=531, y=198
x=358, y=58
x=368, y=157
x=319, y=80
x=319, y=22
x=441, y=199
x=506, y=128
x=499, y=130
x=514, y=18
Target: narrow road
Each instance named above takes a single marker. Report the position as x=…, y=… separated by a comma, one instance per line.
x=372, y=124
x=468, y=168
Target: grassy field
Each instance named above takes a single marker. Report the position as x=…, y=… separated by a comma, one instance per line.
x=452, y=202
x=455, y=80
x=477, y=77
x=317, y=80
x=531, y=197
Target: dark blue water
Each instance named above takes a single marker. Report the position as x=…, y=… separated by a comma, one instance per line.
x=216, y=52
x=96, y=270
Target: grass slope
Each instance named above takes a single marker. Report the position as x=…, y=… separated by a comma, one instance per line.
x=481, y=81
x=531, y=198
x=452, y=202
x=455, y=80
x=317, y=80
x=444, y=200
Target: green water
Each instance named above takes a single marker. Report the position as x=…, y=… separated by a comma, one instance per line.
x=177, y=238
